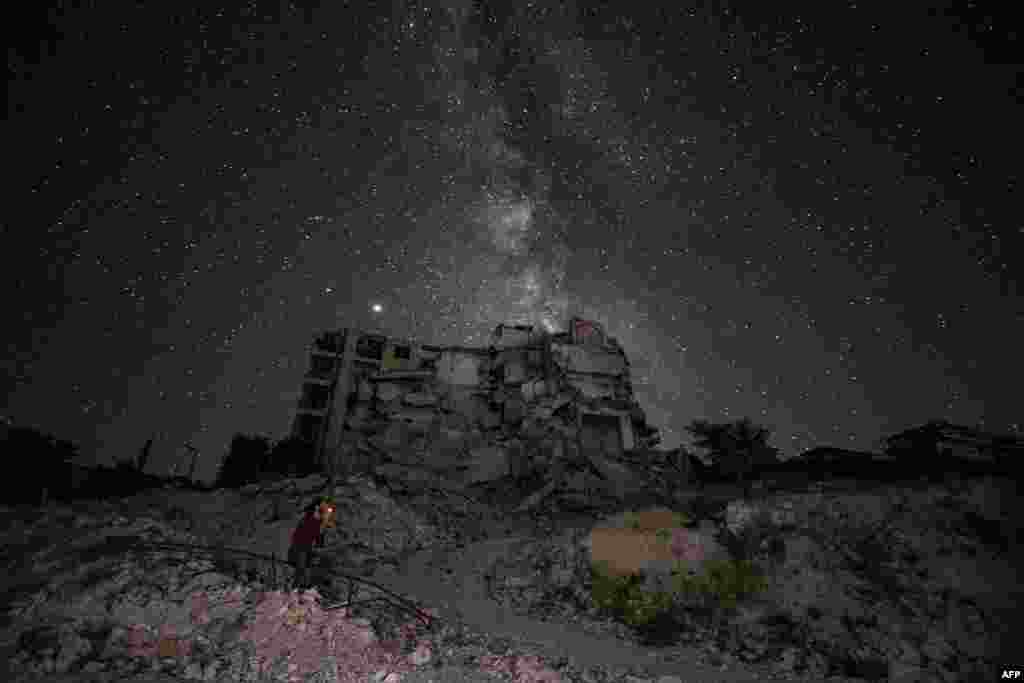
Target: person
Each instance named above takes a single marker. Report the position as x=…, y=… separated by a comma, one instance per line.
x=318, y=516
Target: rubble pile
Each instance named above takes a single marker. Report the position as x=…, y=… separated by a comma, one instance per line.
x=121, y=597
x=901, y=583
x=259, y=518
x=534, y=414
x=110, y=610
x=904, y=583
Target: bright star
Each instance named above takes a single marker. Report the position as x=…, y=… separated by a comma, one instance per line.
x=376, y=308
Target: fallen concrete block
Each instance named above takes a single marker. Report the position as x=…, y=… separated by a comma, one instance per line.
x=487, y=464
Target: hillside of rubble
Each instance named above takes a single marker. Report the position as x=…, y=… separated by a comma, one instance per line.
x=866, y=581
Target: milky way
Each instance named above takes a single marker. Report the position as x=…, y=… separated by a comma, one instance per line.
x=775, y=220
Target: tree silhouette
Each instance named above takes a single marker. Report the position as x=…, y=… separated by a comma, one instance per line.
x=43, y=463
x=735, y=447
x=679, y=468
x=293, y=455
x=144, y=455
x=246, y=459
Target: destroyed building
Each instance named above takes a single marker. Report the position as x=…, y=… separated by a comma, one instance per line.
x=530, y=397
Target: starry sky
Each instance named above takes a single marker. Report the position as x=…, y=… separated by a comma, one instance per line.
x=804, y=216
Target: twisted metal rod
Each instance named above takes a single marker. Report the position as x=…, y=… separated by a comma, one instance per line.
x=193, y=549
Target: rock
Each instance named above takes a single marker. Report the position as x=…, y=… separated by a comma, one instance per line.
x=621, y=480
x=739, y=515
x=72, y=649
x=789, y=660
x=937, y=648
x=849, y=589
x=518, y=458
x=420, y=399
x=487, y=464
x=907, y=666
x=420, y=656
x=156, y=588
x=586, y=483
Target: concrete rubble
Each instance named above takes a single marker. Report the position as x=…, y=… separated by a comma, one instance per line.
x=106, y=590
x=553, y=412
x=899, y=584
x=902, y=583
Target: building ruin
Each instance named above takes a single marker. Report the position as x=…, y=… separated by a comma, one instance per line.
x=529, y=396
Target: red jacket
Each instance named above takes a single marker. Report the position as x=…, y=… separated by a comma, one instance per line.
x=307, y=533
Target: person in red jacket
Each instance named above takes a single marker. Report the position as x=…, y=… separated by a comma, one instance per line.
x=318, y=516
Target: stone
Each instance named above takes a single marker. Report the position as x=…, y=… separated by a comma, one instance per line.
x=739, y=515
x=789, y=659
x=937, y=647
x=836, y=600
x=487, y=464
x=621, y=481
x=194, y=671
x=584, y=482
x=420, y=399
x=784, y=517
x=906, y=671
x=449, y=444
x=488, y=418
x=73, y=648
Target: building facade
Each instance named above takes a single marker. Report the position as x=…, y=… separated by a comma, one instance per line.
x=527, y=384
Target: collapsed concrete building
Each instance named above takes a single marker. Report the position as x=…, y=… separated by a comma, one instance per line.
x=459, y=416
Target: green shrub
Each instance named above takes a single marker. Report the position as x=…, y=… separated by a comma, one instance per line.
x=631, y=520
x=625, y=597
x=723, y=582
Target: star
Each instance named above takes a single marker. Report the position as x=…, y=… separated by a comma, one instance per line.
x=741, y=208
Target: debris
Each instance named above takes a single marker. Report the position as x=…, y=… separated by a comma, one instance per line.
x=483, y=416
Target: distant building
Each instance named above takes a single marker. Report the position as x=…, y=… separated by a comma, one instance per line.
x=946, y=440
x=821, y=463
x=78, y=476
x=571, y=386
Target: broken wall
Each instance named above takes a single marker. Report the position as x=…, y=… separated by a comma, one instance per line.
x=529, y=395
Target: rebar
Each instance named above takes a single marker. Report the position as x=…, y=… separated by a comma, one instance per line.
x=192, y=550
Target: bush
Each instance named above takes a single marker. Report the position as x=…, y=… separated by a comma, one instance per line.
x=655, y=613
x=43, y=465
x=723, y=583
x=624, y=597
x=721, y=586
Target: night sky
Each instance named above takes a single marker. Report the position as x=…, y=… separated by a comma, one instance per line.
x=808, y=217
